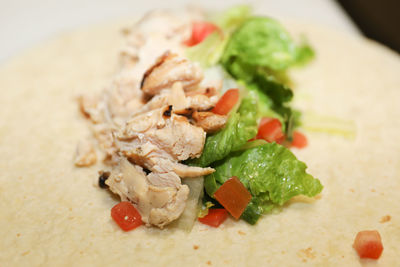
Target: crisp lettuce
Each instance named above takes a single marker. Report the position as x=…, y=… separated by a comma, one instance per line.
x=304, y=54
x=271, y=173
x=232, y=18
x=258, y=54
x=258, y=206
x=209, y=52
x=241, y=126
x=263, y=42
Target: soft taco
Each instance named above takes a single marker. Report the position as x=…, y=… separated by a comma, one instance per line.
x=159, y=127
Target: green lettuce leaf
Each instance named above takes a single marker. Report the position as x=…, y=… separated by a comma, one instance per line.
x=258, y=206
x=232, y=18
x=304, y=54
x=270, y=172
x=208, y=52
x=258, y=54
x=263, y=42
x=241, y=126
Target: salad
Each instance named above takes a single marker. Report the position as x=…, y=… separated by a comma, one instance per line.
x=197, y=124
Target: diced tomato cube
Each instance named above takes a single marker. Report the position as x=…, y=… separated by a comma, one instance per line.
x=270, y=130
x=368, y=244
x=226, y=102
x=299, y=140
x=214, y=217
x=233, y=196
x=200, y=31
x=126, y=216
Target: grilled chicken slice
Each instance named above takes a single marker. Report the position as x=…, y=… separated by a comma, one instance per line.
x=162, y=165
x=90, y=106
x=158, y=205
x=209, y=121
x=136, y=118
x=167, y=134
x=176, y=98
x=168, y=69
x=85, y=154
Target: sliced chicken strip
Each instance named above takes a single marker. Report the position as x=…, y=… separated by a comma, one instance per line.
x=162, y=165
x=176, y=98
x=185, y=171
x=209, y=121
x=165, y=179
x=201, y=102
x=91, y=108
x=167, y=97
x=168, y=69
x=85, y=154
x=169, y=132
x=157, y=205
x=171, y=211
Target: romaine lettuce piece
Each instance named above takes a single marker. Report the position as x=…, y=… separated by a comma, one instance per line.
x=232, y=18
x=258, y=54
x=258, y=206
x=263, y=42
x=208, y=52
x=271, y=173
x=241, y=127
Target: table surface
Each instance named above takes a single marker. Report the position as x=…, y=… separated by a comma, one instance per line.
x=24, y=23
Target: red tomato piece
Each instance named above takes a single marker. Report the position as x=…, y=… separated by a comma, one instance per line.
x=270, y=130
x=226, y=102
x=368, y=244
x=233, y=196
x=200, y=31
x=264, y=120
x=214, y=217
x=126, y=216
x=299, y=140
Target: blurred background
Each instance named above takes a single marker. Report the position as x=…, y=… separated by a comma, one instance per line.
x=24, y=23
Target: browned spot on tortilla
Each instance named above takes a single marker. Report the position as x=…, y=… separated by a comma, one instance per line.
x=318, y=196
x=385, y=218
x=307, y=253
x=283, y=252
x=195, y=247
x=352, y=190
x=18, y=234
x=125, y=31
x=241, y=232
x=373, y=190
x=209, y=262
x=25, y=253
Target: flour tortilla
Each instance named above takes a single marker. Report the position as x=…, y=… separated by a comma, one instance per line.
x=53, y=215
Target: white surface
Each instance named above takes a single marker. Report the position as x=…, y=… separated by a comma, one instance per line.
x=24, y=23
